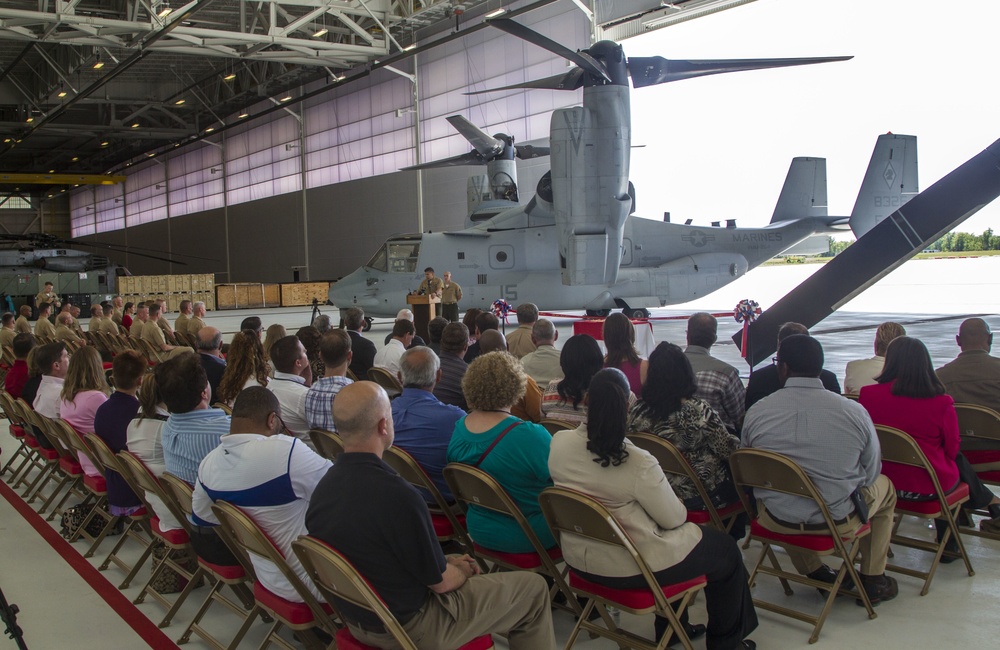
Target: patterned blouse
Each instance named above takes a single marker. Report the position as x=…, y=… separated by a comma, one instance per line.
x=699, y=434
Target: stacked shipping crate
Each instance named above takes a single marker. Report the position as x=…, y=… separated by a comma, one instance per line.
x=172, y=288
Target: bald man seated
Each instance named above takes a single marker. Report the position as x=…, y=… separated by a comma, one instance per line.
x=446, y=602
x=974, y=376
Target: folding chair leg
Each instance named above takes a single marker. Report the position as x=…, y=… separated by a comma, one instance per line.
x=192, y=582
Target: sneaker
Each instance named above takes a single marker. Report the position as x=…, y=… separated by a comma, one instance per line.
x=829, y=576
x=990, y=525
x=879, y=589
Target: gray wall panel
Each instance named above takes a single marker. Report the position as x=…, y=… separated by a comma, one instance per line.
x=265, y=239
x=200, y=235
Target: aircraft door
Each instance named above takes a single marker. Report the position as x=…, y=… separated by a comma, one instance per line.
x=502, y=256
x=626, y=252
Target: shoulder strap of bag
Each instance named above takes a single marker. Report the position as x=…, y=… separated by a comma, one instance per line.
x=495, y=443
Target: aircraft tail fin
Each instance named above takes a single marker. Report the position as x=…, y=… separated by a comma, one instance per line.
x=891, y=181
x=804, y=191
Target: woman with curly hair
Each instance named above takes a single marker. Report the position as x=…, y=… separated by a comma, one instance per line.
x=513, y=452
x=274, y=333
x=245, y=366
x=597, y=459
x=619, y=340
x=670, y=410
x=310, y=338
x=85, y=388
x=566, y=399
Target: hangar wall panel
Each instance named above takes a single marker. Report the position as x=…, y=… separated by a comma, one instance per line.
x=265, y=239
x=192, y=185
x=201, y=235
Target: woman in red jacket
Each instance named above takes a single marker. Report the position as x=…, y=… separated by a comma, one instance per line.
x=910, y=397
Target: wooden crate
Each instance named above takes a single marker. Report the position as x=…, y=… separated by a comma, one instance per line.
x=206, y=297
x=126, y=285
x=174, y=301
x=302, y=293
x=247, y=296
x=178, y=283
x=203, y=283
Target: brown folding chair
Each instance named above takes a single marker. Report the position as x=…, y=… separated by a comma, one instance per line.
x=336, y=578
x=852, y=396
x=474, y=487
x=304, y=617
x=67, y=471
x=23, y=454
x=351, y=375
x=447, y=525
x=552, y=425
x=34, y=460
x=569, y=512
x=222, y=406
x=386, y=380
x=221, y=575
x=899, y=449
x=328, y=444
x=673, y=463
x=767, y=470
x=177, y=543
x=980, y=439
x=48, y=458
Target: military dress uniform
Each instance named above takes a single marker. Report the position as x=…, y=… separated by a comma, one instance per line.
x=451, y=293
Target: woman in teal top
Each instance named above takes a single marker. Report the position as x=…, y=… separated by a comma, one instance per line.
x=519, y=461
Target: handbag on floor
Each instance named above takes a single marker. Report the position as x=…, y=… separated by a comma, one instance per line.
x=73, y=517
x=169, y=581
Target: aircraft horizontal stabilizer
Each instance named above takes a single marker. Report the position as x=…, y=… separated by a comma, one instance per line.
x=908, y=230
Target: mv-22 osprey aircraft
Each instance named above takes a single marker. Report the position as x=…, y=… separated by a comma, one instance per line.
x=573, y=245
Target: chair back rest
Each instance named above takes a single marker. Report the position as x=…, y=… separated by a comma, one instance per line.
x=23, y=410
x=104, y=454
x=899, y=448
x=54, y=433
x=386, y=380
x=244, y=532
x=178, y=490
x=336, y=578
x=768, y=470
x=552, y=425
x=852, y=396
x=147, y=482
x=9, y=409
x=222, y=406
x=8, y=355
x=978, y=421
x=329, y=444
x=351, y=375
x=74, y=439
x=673, y=463
x=411, y=471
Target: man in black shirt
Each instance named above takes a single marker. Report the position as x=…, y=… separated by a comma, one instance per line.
x=365, y=510
x=362, y=349
x=765, y=381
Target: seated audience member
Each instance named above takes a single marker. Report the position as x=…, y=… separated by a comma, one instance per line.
x=196, y=322
x=35, y=375
x=323, y=323
x=162, y=322
x=469, y=320
x=96, y=318
x=597, y=459
x=911, y=398
x=185, y=311
x=454, y=343
x=153, y=332
x=362, y=350
x=436, y=328
x=17, y=376
x=424, y=424
x=335, y=351
x=84, y=390
x=519, y=342
x=407, y=315
x=108, y=325
x=271, y=476
x=833, y=440
x=718, y=382
x=542, y=365
x=193, y=428
x=765, y=381
x=974, y=376
x=245, y=367
x=397, y=551
x=273, y=333
x=514, y=452
x=862, y=372
x=310, y=336
x=402, y=336
x=53, y=361
x=141, y=317
x=209, y=342
x=528, y=407
x=127, y=310
x=566, y=399
x=252, y=323
x=670, y=410
x=43, y=326
x=64, y=329
x=484, y=322
x=21, y=324
x=145, y=440
x=7, y=332
x=619, y=339
x=292, y=379
x=111, y=425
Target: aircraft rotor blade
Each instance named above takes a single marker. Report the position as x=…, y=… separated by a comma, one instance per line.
x=653, y=70
x=528, y=151
x=568, y=81
x=483, y=142
x=897, y=238
x=582, y=59
x=471, y=158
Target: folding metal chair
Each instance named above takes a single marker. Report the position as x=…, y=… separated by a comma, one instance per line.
x=48, y=458
x=899, y=449
x=552, y=425
x=68, y=471
x=569, y=512
x=328, y=444
x=767, y=470
x=222, y=406
x=386, y=380
x=980, y=439
x=474, y=487
x=95, y=485
x=15, y=427
x=336, y=578
x=448, y=525
x=304, y=617
x=673, y=463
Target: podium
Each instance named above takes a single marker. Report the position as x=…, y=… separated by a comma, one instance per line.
x=424, y=310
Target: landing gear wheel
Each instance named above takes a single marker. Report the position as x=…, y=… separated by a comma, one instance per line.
x=636, y=313
x=368, y=324
x=600, y=313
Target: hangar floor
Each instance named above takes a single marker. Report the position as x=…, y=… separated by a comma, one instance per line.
x=61, y=608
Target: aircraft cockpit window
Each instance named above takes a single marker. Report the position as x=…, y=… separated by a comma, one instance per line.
x=403, y=256
x=377, y=261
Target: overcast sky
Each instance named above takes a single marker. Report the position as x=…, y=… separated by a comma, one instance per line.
x=719, y=147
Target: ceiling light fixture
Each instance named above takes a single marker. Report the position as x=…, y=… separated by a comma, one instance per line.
x=105, y=143
x=229, y=77
x=75, y=158
x=135, y=126
x=164, y=12
x=285, y=98
x=61, y=94
x=243, y=115
x=320, y=33
x=151, y=155
x=209, y=129
x=30, y=120
x=179, y=102
x=411, y=46
x=98, y=64
x=495, y=13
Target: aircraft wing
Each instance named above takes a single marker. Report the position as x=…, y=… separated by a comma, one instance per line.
x=927, y=216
